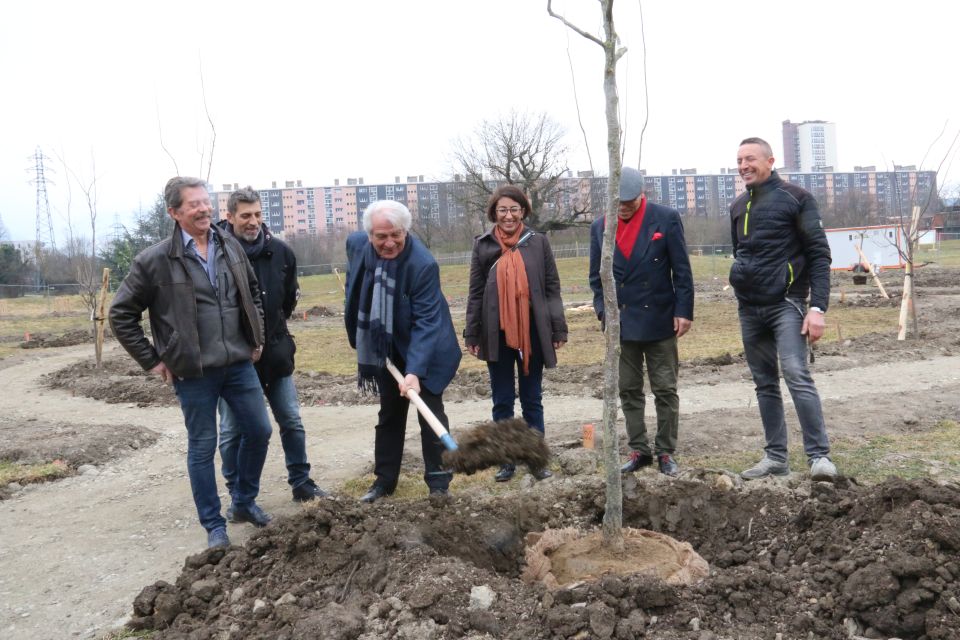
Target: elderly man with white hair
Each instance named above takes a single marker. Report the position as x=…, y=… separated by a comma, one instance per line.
x=395, y=309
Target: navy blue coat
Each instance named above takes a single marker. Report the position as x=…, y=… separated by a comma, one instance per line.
x=423, y=333
x=655, y=284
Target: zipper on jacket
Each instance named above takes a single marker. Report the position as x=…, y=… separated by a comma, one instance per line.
x=746, y=217
x=790, y=272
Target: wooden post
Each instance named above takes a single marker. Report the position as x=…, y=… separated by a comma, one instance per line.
x=101, y=317
x=866, y=265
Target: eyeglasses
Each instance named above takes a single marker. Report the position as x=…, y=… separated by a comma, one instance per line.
x=502, y=211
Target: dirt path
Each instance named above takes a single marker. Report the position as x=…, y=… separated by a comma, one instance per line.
x=74, y=553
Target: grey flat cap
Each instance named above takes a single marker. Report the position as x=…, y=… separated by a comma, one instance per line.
x=631, y=184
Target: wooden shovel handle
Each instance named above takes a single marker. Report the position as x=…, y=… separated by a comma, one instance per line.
x=422, y=407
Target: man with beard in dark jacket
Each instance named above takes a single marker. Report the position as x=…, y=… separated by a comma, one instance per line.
x=276, y=267
x=781, y=255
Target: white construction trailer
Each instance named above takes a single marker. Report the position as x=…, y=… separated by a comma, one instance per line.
x=880, y=244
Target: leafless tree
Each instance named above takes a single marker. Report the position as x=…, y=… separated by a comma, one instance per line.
x=613, y=51
x=4, y=234
x=523, y=149
x=427, y=229
x=918, y=204
x=851, y=208
x=84, y=261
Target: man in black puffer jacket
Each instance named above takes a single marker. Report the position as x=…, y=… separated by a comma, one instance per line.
x=276, y=267
x=781, y=255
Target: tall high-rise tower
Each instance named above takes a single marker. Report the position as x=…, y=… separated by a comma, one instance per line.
x=809, y=146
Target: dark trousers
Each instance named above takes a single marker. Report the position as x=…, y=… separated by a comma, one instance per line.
x=502, y=380
x=663, y=366
x=392, y=428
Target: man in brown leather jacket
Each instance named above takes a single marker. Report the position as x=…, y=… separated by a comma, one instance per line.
x=206, y=323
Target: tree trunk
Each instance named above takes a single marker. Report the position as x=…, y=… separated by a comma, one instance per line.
x=908, y=308
x=613, y=516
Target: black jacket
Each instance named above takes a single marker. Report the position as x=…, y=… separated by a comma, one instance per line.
x=483, y=302
x=276, y=269
x=159, y=281
x=779, y=246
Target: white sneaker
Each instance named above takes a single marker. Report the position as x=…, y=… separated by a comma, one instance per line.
x=822, y=469
x=766, y=467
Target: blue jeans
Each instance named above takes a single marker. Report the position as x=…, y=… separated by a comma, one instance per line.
x=282, y=396
x=531, y=386
x=238, y=385
x=769, y=330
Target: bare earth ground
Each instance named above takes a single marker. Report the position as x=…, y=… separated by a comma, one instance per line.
x=786, y=557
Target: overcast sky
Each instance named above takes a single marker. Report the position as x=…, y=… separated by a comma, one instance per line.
x=380, y=88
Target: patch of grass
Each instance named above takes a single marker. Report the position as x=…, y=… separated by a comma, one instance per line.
x=31, y=473
x=948, y=254
x=933, y=452
x=716, y=330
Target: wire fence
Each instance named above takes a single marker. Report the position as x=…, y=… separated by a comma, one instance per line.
x=560, y=252
x=39, y=290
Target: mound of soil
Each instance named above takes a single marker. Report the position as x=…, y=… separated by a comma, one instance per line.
x=120, y=380
x=48, y=340
x=791, y=557
x=34, y=441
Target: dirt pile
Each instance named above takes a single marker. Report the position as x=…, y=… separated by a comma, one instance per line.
x=793, y=558
x=48, y=340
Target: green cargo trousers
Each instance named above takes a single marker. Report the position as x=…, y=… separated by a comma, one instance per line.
x=663, y=365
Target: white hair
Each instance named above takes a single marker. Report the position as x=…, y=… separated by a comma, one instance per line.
x=395, y=212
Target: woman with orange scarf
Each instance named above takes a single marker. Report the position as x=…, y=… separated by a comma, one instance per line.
x=514, y=311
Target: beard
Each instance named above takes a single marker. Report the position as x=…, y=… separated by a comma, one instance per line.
x=250, y=236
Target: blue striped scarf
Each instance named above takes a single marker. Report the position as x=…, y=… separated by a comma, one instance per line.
x=375, y=318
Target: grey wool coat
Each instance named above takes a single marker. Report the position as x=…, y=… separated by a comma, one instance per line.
x=483, y=305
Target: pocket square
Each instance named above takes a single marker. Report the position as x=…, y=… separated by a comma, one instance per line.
x=656, y=236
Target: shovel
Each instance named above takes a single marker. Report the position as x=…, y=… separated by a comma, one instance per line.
x=414, y=397
x=487, y=445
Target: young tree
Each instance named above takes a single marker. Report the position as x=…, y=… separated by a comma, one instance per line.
x=612, y=51
x=918, y=204
x=523, y=149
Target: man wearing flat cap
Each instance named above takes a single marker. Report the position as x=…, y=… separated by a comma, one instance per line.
x=651, y=269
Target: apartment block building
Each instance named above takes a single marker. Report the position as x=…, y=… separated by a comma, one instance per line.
x=328, y=210
x=809, y=146
x=882, y=193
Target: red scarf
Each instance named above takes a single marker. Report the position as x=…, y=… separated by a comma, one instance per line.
x=627, y=232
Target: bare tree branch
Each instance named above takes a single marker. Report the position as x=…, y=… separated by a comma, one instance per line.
x=576, y=103
x=176, y=169
x=213, y=130
x=571, y=26
x=646, y=92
